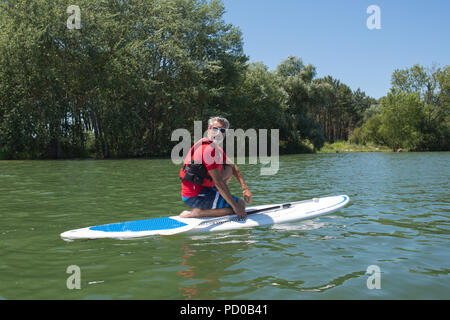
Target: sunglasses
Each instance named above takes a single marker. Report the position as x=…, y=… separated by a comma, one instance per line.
x=222, y=130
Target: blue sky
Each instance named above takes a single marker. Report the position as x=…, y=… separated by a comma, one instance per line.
x=333, y=36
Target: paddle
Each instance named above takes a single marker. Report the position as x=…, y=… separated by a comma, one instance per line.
x=191, y=223
x=281, y=206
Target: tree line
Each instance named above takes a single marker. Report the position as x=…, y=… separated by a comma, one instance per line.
x=136, y=70
x=414, y=115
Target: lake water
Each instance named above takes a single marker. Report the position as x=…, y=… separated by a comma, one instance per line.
x=397, y=220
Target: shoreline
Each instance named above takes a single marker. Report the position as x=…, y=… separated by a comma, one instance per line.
x=334, y=148
x=347, y=147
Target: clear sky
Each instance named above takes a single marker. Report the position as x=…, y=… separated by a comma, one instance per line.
x=333, y=36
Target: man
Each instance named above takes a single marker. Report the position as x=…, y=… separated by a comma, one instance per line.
x=205, y=175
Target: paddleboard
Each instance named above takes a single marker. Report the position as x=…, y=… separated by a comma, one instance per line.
x=256, y=216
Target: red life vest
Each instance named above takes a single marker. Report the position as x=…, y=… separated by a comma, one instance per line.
x=195, y=172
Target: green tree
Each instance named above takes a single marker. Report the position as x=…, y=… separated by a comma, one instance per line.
x=260, y=100
x=432, y=87
x=415, y=113
x=135, y=71
x=337, y=108
x=296, y=79
x=402, y=119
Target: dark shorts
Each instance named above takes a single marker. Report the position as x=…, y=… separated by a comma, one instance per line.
x=208, y=198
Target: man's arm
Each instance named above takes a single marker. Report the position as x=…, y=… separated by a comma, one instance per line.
x=225, y=192
x=240, y=178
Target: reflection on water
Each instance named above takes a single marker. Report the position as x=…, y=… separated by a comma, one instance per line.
x=188, y=273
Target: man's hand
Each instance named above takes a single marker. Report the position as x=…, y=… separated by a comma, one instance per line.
x=240, y=209
x=247, y=195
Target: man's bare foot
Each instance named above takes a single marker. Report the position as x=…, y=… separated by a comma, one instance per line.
x=189, y=214
x=185, y=214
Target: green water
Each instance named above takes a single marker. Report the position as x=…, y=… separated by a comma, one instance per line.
x=398, y=220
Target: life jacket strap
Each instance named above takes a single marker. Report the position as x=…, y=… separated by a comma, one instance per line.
x=194, y=172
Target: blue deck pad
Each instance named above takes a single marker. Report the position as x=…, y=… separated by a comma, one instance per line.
x=141, y=225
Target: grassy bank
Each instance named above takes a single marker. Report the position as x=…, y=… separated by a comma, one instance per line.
x=344, y=146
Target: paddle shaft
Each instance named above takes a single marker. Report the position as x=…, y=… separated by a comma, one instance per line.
x=281, y=206
x=197, y=222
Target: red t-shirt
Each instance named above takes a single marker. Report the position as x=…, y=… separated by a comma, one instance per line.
x=206, y=153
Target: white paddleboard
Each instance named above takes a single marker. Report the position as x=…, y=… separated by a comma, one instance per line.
x=276, y=213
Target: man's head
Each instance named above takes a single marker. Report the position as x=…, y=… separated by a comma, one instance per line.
x=217, y=128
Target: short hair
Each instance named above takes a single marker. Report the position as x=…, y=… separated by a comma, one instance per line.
x=221, y=120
